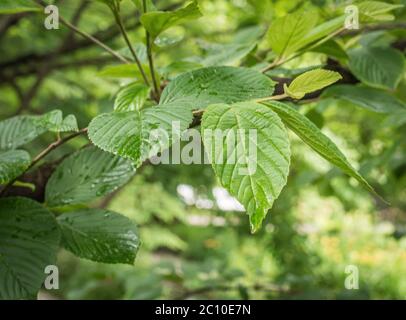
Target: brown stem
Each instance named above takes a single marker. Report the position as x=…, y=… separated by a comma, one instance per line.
x=157, y=92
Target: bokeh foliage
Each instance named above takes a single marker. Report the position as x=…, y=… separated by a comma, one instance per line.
x=191, y=246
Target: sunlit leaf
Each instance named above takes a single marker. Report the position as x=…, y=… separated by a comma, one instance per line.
x=138, y=135
x=319, y=142
x=251, y=156
x=286, y=33
x=311, y=81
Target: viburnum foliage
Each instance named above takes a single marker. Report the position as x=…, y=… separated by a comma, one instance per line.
x=243, y=84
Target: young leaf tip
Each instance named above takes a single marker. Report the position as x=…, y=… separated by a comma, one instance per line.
x=311, y=81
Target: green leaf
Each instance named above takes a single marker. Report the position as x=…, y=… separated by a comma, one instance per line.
x=125, y=71
x=138, y=135
x=319, y=142
x=158, y=21
x=231, y=53
x=54, y=121
x=202, y=87
x=110, y=3
x=170, y=37
x=120, y=71
x=311, y=81
x=321, y=31
x=86, y=175
x=12, y=164
x=178, y=67
x=156, y=237
x=332, y=49
x=372, y=99
x=29, y=240
x=139, y=5
x=17, y=6
x=373, y=11
x=395, y=120
x=68, y=124
x=227, y=54
x=141, y=51
x=192, y=90
x=131, y=97
x=100, y=235
x=285, y=34
x=19, y=130
x=266, y=156
x=377, y=67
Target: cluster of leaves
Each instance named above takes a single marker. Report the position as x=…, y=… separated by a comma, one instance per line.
x=229, y=98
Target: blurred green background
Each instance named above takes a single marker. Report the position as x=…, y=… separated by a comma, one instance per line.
x=196, y=240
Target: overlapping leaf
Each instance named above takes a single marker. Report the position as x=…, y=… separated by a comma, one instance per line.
x=12, y=164
x=86, y=175
x=54, y=121
x=125, y=71
x=373, y=99
x=142, y=134
x=100, y=235
x=231, y=53
x=19, y=130
x=158, y=21
x=202, y=87
x=373, y=11
x=29, y=240
x=131, y=97
x=250, y=154
x=377, y=67
x=286, y=34
x=319, y=142
x=322, y=30
x=138, y=135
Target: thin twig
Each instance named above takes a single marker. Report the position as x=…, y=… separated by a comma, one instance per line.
x=375, y=27
x=42, y=155
x=128, y=42
x=157, y=92
x=88, y=36
x=93, y=39
x=75, y=19
x=277, y=97
x=270, y=66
